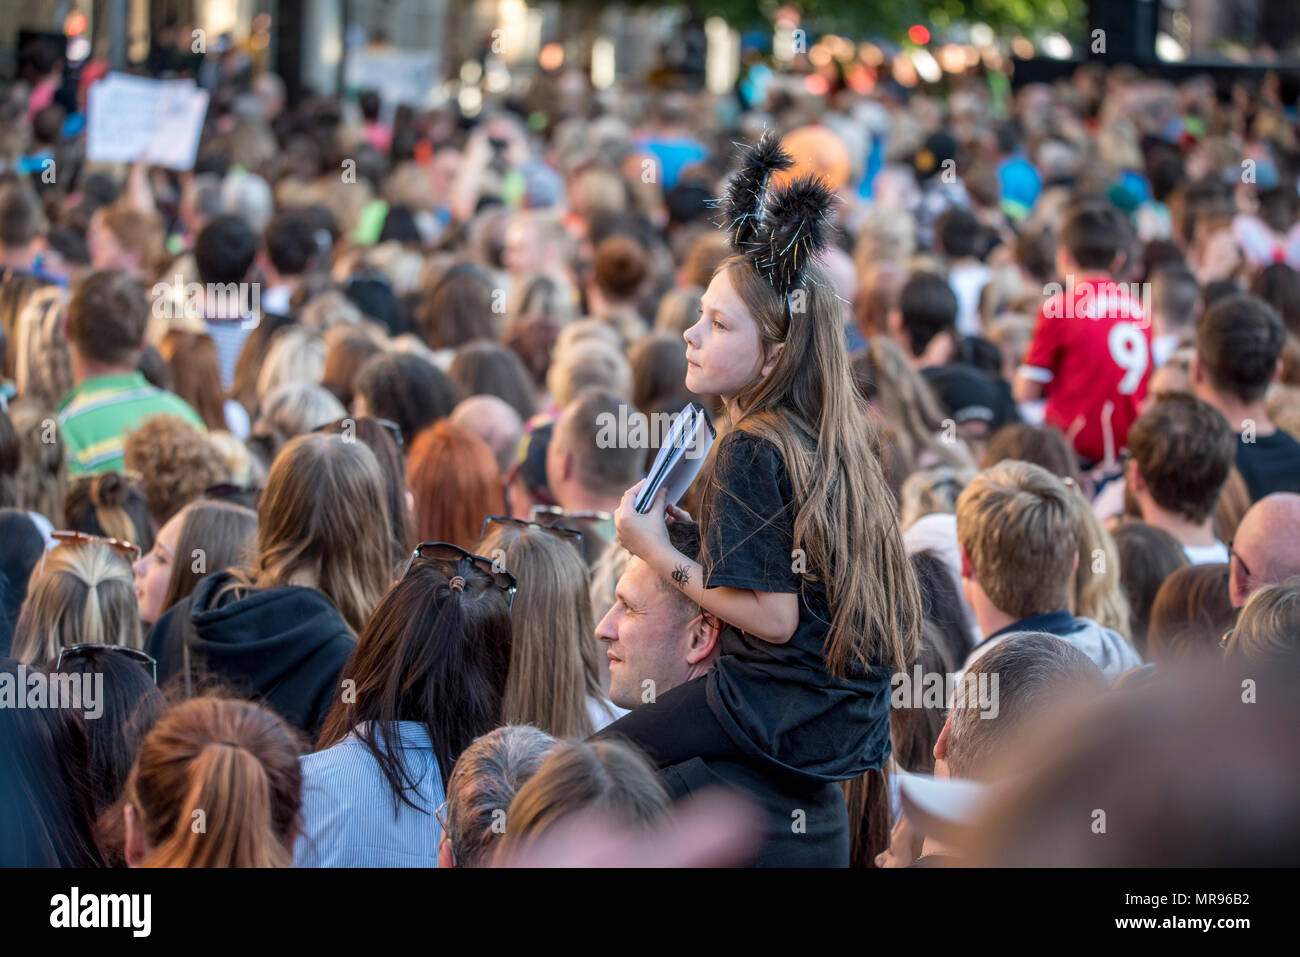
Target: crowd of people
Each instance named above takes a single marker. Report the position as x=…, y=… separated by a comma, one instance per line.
x=306, y=459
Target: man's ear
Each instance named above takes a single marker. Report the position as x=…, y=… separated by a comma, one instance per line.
x=1277, y=371
x=967, y=569
x=1134, y=478
x=773, y=353
x=705, y=632
x=1198, y=373
x=941, y=745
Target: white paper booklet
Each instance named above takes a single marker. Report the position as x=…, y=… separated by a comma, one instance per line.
x=680, y=457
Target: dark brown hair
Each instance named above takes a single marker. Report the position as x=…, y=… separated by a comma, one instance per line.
x=459, y=308
x=107, y=317
x=196, y=374
x=489, y=368
x=620, y=266
x=1191, y=612
x=1043, y=445
x=1183, y=448
x=346, y=357
x=1147, y=557
x=1238, y=342
x=428, y=654
x=214, y=535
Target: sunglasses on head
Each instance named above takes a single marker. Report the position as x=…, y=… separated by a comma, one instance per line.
x=135, y=654
x=568, y=534
x=127, y=550
x=447, y=552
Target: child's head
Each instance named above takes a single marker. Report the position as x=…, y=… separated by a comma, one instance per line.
x=1182, y=450
x=927, y=307
x=1019, y=536
x=751, y=345
x=1094, y=238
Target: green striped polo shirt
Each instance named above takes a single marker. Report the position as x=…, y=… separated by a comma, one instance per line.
x=95, y=417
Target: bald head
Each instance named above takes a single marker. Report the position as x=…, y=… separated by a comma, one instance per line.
x=1266, y=549
x=495, y=422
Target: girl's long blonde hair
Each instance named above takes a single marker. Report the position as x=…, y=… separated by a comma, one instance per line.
x=82, y=593
x=553, y=657
x=846, y=521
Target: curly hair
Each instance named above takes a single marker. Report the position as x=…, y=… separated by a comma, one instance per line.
x=175, y=462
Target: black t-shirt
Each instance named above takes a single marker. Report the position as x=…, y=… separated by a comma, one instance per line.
x=1271, y=463
x=778, y=702
x=803, y=826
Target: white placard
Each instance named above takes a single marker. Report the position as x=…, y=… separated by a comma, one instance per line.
x=134, y=118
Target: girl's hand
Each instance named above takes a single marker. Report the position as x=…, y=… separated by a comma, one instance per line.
x=676, y=514
x=639, y=533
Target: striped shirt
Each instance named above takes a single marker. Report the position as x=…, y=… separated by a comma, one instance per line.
x=348, y=818
x=228, y=335
x=95, y=417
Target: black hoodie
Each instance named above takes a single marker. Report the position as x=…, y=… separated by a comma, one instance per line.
x=284, y=645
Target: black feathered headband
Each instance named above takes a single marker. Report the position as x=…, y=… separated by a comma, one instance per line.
x=780, y=230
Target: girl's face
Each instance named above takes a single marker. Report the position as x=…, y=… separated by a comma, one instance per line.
x=154, y=570
x=724, y=352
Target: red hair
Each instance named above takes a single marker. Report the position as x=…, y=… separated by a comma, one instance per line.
x=456, y=482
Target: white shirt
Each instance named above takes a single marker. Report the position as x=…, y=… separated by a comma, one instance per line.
x=602, y=712
x=1216, y=554
x=967, y=282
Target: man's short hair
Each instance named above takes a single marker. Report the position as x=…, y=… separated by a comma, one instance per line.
x=1238, y=342
x=487, y=776
x=959, y=233
x=1095, y=233
x=107, y=316
x=1184, y=449
x=21, y=216
x=1019, y=524
x=224, y=250
x=1033, y=671
x=929, y=307
x=1175, y=293
x=291, y=242
x=607, y=462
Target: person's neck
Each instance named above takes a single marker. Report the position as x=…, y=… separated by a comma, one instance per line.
x=579, y=499
x=732, y=406
x=20, y=259
x=304, y=578
x=938, y=352
x=992, y=619
x=1195, y=534
x=988, y=616
x=84, y=369
x=1242, y=415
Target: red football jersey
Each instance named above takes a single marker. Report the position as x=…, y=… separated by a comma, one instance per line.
x=1092, y=352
